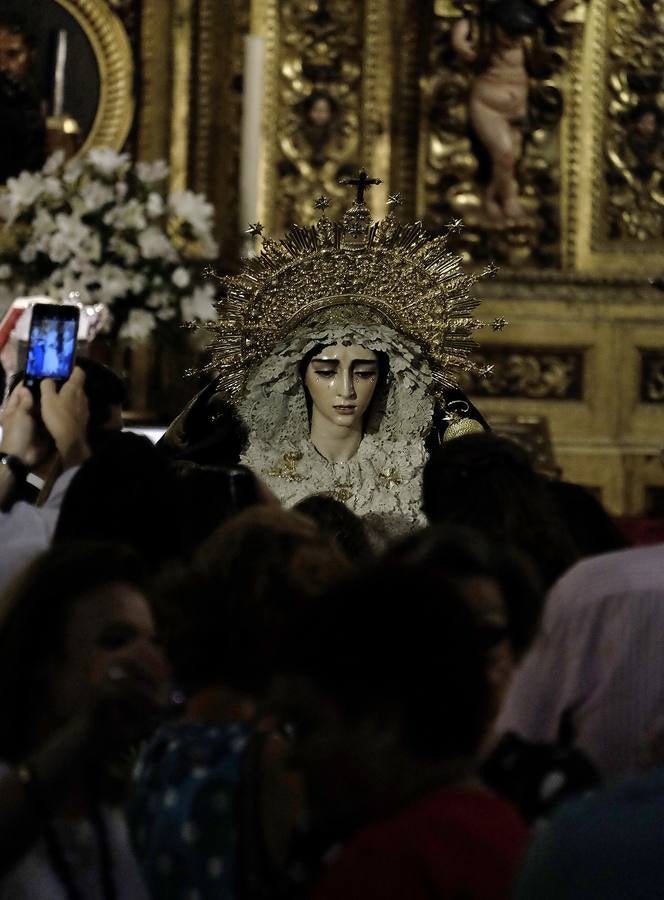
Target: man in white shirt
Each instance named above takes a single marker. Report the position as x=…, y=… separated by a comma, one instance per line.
x=598, y=663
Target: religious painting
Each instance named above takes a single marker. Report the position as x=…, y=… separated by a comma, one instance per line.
x=65, y=80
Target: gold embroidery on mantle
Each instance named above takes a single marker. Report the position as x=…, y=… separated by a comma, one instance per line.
x=288, y=469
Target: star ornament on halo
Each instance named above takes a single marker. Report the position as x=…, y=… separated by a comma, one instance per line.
x=395, y=200
x=487, y=371
x=322, y=202
x=255, y=229
x=499, y=323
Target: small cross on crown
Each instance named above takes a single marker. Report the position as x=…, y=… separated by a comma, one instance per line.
x=362, y=182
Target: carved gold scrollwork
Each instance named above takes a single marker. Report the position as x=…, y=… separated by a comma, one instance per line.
x=542, y=374
x=320, y=102
x=634, y=145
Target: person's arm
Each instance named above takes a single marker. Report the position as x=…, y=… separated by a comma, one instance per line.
x=33, y=790
x=64, y=414
x=20, y=439
x=123, y=712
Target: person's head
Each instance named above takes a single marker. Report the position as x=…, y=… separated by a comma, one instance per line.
x=589, y=525
x=487, y=482
x=500, y=587
x=383, y=687
x=341, y=380
x=73, y=613
x=16, y=47
x=500, y=584
x=339, y=524
x=212, y=494
x=224, y=619
x=107, y=395
x=126, y=492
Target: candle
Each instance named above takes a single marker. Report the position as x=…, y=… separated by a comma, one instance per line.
x=250, y=145
x=60, y=69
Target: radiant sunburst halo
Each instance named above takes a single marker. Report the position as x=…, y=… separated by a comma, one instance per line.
x=395, y=274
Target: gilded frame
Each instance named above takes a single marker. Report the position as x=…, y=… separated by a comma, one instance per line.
x=112, y=50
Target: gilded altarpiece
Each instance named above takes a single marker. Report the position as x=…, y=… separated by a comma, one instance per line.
x=490, y=130
x=385, y=85
x=583, y=348
x=326, y=104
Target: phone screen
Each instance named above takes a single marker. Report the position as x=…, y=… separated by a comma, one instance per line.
x=52, y=342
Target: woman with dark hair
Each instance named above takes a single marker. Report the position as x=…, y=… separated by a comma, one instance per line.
x=213, y=808
x=385, y=693
x=126, y=493
x=502, y=590
x=465, y=554
x=80, y=681
x=487, y=482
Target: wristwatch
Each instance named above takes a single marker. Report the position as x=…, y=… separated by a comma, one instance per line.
x=15, y=465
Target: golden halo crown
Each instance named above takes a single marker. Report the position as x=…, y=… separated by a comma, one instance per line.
x=411, y=281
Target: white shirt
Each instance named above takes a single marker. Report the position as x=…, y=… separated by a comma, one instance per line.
x=27, y=530
x=600, y=655
x=33, y=877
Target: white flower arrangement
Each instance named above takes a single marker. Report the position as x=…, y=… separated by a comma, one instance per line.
x=106, y=228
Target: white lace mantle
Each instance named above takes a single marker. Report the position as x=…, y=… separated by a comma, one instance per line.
x=382, y=481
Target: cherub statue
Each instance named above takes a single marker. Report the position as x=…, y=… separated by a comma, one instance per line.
x=496, y=44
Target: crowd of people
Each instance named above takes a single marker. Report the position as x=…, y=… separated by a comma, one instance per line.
x=206, y=695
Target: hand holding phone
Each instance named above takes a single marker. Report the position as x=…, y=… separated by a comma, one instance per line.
x=21, y=435
x=65, y=415
x=51, y=344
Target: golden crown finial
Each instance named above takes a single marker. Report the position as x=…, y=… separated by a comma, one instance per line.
x=395, y=273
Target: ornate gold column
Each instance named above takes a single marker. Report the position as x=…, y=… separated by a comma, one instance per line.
x=181, y=92
x=154, y=107
x=327, y=103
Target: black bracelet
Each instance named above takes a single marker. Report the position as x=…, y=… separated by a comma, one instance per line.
x=15, y=465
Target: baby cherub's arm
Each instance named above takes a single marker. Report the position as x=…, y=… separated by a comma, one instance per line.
x=462, y=40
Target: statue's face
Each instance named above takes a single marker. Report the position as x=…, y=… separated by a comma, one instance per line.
x=341, y=380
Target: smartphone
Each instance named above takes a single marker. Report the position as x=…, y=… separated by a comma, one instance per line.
x=51, y=344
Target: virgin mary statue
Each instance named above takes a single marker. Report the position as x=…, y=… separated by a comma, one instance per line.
x=336, y=353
